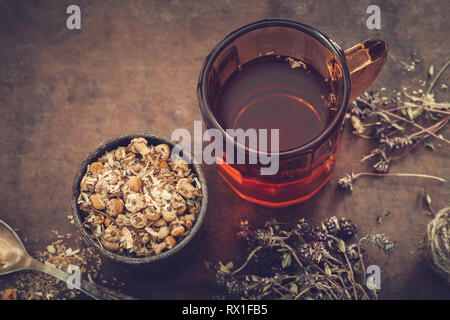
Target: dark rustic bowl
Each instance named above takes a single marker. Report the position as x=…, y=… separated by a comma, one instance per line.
x=182, y=250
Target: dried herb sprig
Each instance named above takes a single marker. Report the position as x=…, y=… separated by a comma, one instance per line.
x=292, y=261
x=398, y=124
x=347, y=181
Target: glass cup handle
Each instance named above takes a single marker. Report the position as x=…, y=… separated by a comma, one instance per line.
x=364, y=62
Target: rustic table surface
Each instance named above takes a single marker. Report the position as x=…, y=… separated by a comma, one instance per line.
x=134, y=67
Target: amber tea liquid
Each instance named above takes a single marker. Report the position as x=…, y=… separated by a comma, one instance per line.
x=277, y=92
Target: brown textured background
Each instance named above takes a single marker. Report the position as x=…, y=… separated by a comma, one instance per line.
x=134, y=67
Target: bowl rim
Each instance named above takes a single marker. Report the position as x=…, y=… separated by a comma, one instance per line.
x=108, y=145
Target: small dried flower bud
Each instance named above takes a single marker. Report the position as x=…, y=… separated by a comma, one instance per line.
x=164, y=150
x=152, y=214
x=331, y=225
x=347, y=229
x=188, y=220
x=170, y=242
x=97, y=202
x=101, y=186
x=159, y=223
x=107, y=222
x=135, y=184
x=111, y=234
x=120, y=153
x=169, y=214
x=138, y=220
x=347, y=181
x=381, y=166
x=139, y=145
x=177, y=231
x=158, y=247
x=189, y=224
x=357, y=125
x=311, y=252
x=178, y=203
x=181, y=167
x=134, y=202
x=114, y=207
x=139, y=140
x=111, y=246
x=95, y=167
x=186, y=189
x=123, y=220
x=163, y=232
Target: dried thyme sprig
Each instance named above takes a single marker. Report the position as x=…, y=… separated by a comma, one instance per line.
x=398, y=124
x=347, y=181
x=292, y=262
x=381, y=241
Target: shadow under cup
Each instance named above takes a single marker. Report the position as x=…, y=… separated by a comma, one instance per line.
x=305, y=169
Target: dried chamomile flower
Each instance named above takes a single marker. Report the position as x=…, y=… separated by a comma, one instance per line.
x=111, y=246
x=170, y=241
x=138, y=220
x=95, y=167
x=177, y=231
x=186, y=189
x=135, y=184
x=114, y=207
x=139, y=145
x=181, y=167
x=159, y=223
x=163, y=232
x=120, y=153
x=164, y=150
x=169, y=213
x=111, y=234
x=97, y=202
x=152, y=214
x=123, y=220
x=134, y=202
x=178, y=203
x=158, y=247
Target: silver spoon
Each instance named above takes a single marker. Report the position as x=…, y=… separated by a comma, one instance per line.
x=14, y=257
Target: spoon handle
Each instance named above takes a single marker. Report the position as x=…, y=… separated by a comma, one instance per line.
x=90, y=288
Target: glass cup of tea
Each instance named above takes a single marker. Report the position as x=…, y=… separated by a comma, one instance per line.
x=281, y=74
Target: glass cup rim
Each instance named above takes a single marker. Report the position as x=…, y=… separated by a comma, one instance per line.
x=334, y=48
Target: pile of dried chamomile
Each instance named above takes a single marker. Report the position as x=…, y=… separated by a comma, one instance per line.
x=137, y=201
